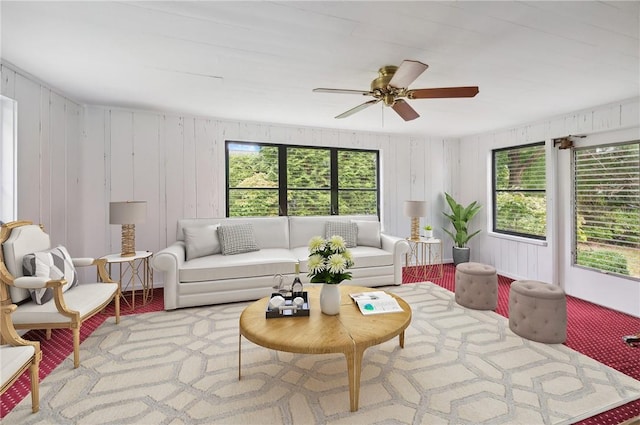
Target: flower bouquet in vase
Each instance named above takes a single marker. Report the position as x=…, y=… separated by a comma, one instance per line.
x=329, y=260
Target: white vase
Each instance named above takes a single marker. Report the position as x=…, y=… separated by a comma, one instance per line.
x=330, y=299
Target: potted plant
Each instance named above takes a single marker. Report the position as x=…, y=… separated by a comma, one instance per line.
x=428, y=231
x=460, y=217
x=328, y=264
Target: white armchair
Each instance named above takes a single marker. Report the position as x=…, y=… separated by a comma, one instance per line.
x=65, y=306
x=17, y=355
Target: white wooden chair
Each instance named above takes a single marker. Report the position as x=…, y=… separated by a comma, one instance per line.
x=16, y=355
x=69, y=308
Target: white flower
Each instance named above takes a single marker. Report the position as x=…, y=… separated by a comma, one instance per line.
x=329, y=260
x=348, y=257
x=337, y=263
x=316, y=263
x=316, y=244
x=336, y=243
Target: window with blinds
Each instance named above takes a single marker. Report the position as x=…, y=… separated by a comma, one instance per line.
x=252, y=180
x=268, y=179
x=607, y=208
x=308, y=181
x=357, y=182
x=519, y=191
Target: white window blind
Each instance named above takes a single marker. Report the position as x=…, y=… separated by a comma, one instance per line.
x=519, y=191
x=607, y=208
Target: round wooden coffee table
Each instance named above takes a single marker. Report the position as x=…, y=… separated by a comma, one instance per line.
x=350, y=332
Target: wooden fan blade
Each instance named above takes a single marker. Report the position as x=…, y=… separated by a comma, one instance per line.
x=343, y=91
x=405, y=110
x=442, y=92
x=358, y=108
x=407, y=73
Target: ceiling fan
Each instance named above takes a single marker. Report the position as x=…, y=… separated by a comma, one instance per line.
x=391, y=87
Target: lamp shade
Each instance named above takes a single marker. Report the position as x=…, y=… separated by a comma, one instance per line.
x=128, y=212
x=415, y=208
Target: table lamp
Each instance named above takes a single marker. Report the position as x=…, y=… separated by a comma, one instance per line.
x=128, y=213
x=415, y=210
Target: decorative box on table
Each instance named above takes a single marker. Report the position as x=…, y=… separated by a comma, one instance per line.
x=289, y=308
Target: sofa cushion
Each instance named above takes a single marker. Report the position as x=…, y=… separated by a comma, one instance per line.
x=85, y=298
x=346, y=229
x=53, y=264
x=270, y=232
x=363, y=257
x=268, y=262
x=201, y=241
x=368, y=233
x=13, y=359
x=237, y=238
x=302, y=229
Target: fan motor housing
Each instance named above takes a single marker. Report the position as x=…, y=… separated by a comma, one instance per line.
x=380, y=86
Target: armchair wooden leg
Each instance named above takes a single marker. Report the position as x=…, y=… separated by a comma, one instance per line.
x=35, y=386
x=117, y=305
x=48, y=334
x=76, y=346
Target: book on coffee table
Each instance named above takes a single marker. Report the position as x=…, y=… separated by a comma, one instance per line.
x=376, y=302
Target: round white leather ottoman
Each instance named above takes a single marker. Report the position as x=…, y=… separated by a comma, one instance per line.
x=476, y=286
x=538, y=311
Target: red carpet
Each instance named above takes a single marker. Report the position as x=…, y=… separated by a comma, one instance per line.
x=592, y=330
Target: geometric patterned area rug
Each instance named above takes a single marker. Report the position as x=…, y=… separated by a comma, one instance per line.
x=459, y=366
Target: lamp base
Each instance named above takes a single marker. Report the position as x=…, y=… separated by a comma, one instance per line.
x=128, y=240
x=415, y=229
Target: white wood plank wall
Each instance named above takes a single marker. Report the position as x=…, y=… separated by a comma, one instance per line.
x=74, y=160
x=177, y=164
x=551, y=261
x=49, y=163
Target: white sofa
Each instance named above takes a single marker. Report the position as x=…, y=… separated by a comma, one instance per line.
x=282, y=241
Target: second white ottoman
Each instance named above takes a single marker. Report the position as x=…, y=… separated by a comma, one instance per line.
x=538, y=311
x=476, y=286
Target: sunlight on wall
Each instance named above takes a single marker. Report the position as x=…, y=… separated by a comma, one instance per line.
x=8, y=156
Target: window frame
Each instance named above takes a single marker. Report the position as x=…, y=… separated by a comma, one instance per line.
x=495, y=191
x=283, y=188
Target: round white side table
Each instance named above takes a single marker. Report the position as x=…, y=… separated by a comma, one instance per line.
x=135, y=269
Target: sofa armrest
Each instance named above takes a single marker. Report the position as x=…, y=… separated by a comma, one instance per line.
x=168, y=261
x=398, y=247
x=394, y=244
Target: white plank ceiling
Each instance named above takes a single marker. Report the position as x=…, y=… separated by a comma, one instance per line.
x=259, y=61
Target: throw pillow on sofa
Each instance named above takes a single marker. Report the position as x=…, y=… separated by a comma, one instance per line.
x=346, y=229
x=368, y=233
x=53, y=264
x=201, y=241
x=237, y=238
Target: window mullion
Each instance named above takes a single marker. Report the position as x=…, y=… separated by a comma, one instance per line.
x=283, y=207
x=334, y=182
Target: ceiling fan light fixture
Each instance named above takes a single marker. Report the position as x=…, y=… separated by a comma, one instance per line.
x=391, y=86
